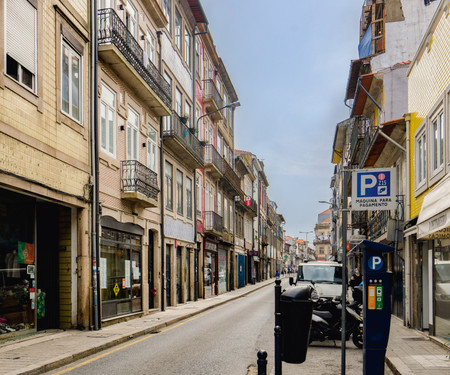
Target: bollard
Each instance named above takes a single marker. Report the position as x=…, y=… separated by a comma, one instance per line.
x=278, y=364
x=262, y=362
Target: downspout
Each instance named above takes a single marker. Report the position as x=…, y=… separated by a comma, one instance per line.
x=161, y=182
x=94, y=154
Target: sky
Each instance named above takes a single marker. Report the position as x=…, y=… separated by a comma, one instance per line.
x=289, y=62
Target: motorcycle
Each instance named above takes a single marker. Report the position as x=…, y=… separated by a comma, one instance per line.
x=326, y=322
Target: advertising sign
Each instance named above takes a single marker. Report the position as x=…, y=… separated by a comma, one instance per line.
x=374, y=189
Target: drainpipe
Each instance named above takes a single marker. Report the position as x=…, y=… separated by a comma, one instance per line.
x=95, y=173
x=161, y=182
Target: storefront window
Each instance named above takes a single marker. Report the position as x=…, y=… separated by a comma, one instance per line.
x=222, y=271
x=17, y=262
x=209, y=274
x=442, y=290
x=120, y=273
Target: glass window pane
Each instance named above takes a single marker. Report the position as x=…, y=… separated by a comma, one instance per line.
x=65, y=80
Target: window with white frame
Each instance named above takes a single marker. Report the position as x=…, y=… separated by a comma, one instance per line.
x=167, y=8
x=131, y=17
x=70, y=81
x=225, y=111
x=187, y=113
x=187, y=47
x=179, y=192
x=178, y=102
x=219, y=144
x=219, y=203
x=150, y=48
x=198, y=186
x=132, y=134
x=437, y=142
x=188, y=198
x=211, y=133
x=206, y=68
x=105, y=4
x=212, y=196
x=225, y=212
x=151, y=150
x=168, y=119
x=168, y=191
x=108, y=120
x=21, y=43
x=178, y=29
x=207, y=194
x=231, y=216
x=207, y=130
x=420, y=158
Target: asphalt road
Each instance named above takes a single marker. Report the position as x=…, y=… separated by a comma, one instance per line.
x=222, y=341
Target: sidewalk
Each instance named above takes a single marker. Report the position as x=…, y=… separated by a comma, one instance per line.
x=409, y=352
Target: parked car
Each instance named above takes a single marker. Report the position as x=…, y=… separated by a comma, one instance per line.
x=325, y=276
x=442, y=291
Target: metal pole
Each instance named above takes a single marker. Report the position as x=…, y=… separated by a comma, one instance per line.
x=278, y=364
x=262, y=362
x=344, y=269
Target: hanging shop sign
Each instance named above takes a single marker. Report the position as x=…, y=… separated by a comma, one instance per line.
x=374, y=189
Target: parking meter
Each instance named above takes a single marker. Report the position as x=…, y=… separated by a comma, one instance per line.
x=295, y=315
x=377, y=306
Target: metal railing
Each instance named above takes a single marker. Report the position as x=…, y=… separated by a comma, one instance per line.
x=113, y=31
x=213, y=157
x=213, y=221
x=136, y=177
x=378, y=224
x=359, y=131
x=365, y=147
x=210, y=92
x=177, y=129
x=231, y=175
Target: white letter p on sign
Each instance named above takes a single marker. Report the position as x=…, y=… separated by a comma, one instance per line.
x=367, y=182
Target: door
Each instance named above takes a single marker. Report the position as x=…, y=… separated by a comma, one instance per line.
x=425, y=287
x=188, y=274
x=179, y=292
x=151, y=285
x=241, y=271
x=196, y=286
x=47, y=265
x=168, y=276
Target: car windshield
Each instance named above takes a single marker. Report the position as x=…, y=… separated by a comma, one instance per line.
x=443, y=272
x=320, y=274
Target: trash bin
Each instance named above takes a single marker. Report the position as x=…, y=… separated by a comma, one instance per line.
x=296, y=312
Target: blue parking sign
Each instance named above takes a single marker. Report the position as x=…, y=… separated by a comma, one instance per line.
x=374, y=189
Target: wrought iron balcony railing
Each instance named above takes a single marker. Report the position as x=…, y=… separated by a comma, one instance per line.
x=137, y=178
x=378, y=224
x=231, y=176
x=213, y=222
x=361, y=128
x=210, y=92
x=113, y=31
x=365, y=147
x=213, y=157
x=186, y=143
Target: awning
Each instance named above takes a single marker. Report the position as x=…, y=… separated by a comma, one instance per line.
x=197, y=11
x=339, y=140
x=360, y=96
x=434, y=217
x=372, y=245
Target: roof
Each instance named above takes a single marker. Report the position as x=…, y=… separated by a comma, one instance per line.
x=197, y=11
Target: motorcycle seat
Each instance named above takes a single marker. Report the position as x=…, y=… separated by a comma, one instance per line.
x=323, y=314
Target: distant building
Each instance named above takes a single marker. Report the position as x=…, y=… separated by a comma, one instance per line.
x=322, y=240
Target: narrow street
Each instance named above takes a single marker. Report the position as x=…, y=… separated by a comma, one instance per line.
x=224, y=341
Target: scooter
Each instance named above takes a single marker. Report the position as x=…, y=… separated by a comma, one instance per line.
x=326, y=322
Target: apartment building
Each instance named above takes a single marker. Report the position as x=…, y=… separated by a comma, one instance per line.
x=45, y=166
x=322, y=239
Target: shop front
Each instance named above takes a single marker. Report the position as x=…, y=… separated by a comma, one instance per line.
x=120, y=268
x=222, y=268
x=210, y=268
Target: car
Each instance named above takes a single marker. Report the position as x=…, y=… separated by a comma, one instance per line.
x=326, y=276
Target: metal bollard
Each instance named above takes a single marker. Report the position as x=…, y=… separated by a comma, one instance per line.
x=262, y=362
x=278, y=364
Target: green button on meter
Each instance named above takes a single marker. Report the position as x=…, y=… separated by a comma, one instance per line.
x=379, y=298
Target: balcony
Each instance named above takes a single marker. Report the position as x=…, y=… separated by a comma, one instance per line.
x=212, y=99
x=122, y=53
x=265, y=236
x=213, y=161
x=183, y=142
x=382, y=224
x=360, y=130
x=249, y=204
x=230, y=181
x=213, y=223
x=139, y=184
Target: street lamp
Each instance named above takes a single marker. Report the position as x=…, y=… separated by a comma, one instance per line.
x=231, y=105
x=306, y=235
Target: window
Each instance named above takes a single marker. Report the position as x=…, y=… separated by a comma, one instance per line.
x=151, y=150
x=219, y=203
x=420, y=153
x=21, y=46
x=178, y=29
x=187, y=47
x=168, y=196
x=108, y=120
x=168, y=13
x=71, y=82
x=211, y=133
x=225, y=212
x=207, y=197
x=150, y=48
x=168, y=119
x=206, y=68
x=105, y=4
x=188, y=198
x=219, y=144
x=198, y=186
x=179, y=192
x=131, y=19
x=437, y=142
x=225, y=112
x=212, y=196
x=197, y=56
x=178, y=102
x=187, y=113
x=132, y=135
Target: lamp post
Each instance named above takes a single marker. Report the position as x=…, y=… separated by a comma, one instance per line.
x=231, y=105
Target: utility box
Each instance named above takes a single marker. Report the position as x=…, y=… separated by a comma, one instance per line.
x=296, y=313
x=377, y=306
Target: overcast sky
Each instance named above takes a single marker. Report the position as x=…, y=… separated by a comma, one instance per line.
x=289, y=62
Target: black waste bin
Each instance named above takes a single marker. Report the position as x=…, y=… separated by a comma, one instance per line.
x=296, y=312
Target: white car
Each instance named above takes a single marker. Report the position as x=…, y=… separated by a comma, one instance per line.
x=442, y=291
x=325, y=276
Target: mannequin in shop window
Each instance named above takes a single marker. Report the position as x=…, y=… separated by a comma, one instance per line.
x=12, y=265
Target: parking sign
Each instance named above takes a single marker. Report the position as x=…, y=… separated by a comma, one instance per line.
x=374, y=189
